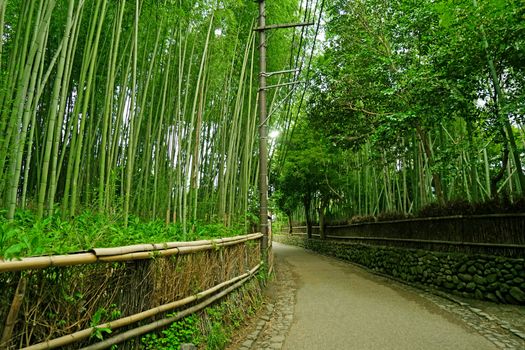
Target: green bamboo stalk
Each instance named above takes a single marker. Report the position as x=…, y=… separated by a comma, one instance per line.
x=487, y=172
x=53, y=110
x=108, y=107
x=56, y=164
x=166, y=74
x=26, y=93
x=79, y=112
x=3, y=4
x=132, y=113
x=89, y=90
x=8, y=117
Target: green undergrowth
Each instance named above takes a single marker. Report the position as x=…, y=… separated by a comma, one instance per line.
x=183, y=331
x=211, y=328
x=28, y=236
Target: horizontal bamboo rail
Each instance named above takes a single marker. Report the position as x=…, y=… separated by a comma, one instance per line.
x=161, y=246
x=164, y=322
x=432, y=218
x=127, y=253
x=413, y=240
x=125, y=321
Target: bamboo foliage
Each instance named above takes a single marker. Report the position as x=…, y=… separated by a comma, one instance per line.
x=128, y=107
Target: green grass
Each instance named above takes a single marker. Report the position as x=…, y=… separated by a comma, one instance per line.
x=28, y=236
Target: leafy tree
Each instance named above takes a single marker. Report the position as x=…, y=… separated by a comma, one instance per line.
x=428, y=94
x=308, y=176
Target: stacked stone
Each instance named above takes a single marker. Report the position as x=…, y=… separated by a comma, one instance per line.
x=484, y=277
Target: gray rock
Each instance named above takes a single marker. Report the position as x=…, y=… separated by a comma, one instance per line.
x=463, y=268
x=277, y=339
x=471, y=286
x=491, y=297
x=493, y=286
x=478, y=294
x=479, y=280
x=500, y=296
x=472, y=269
x=449, y=285
x=518, y=280
x=510, y=299
x=465, y=277
x=247, y=344
x=517, y=294
x=491, y=278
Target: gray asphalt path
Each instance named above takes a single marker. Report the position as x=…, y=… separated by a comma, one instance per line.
x=340, y=306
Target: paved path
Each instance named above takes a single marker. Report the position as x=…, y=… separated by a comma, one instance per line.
x=324, y=303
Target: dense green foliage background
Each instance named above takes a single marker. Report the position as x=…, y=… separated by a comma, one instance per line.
x=142, y=108
x=147, y=108
x=418, y=102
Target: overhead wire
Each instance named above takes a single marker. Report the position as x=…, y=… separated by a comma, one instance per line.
x=295, y=57
x=294, y=64
x=291, y=125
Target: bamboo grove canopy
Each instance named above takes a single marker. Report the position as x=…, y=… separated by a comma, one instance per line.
x=140, y=106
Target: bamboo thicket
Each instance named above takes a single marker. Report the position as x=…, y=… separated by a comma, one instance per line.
x=130, y=107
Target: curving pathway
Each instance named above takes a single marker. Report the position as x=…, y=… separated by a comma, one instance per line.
x=323, y=303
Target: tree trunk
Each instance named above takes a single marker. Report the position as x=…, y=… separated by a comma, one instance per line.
x=307, y=201
x=436, y=179
x=322, y=221
x=498, y=98
x=496, y=178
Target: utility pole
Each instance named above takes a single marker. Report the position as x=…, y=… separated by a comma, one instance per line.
x=263, y=135
x=263, y=119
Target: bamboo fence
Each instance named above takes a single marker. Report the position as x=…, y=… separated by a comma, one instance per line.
x=126, y=253
x=126, y=321
x=498, y=234
x=145, y=281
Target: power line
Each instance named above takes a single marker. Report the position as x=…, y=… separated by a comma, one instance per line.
x=291, y=124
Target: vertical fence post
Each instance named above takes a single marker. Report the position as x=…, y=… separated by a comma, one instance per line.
x=12, y=317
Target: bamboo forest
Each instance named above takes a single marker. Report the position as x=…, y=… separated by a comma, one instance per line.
x=147, y=110
x=152, y=150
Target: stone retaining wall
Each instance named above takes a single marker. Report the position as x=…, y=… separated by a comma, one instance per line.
x=484, y=277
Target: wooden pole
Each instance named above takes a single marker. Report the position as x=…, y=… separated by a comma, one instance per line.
x=263, y=135
x=13, y=312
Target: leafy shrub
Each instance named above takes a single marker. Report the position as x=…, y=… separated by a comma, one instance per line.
x=185, y=330
x=457, y=207
x=462, y=207
x=391, y=216
x=365, y=218
x=27, y=236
